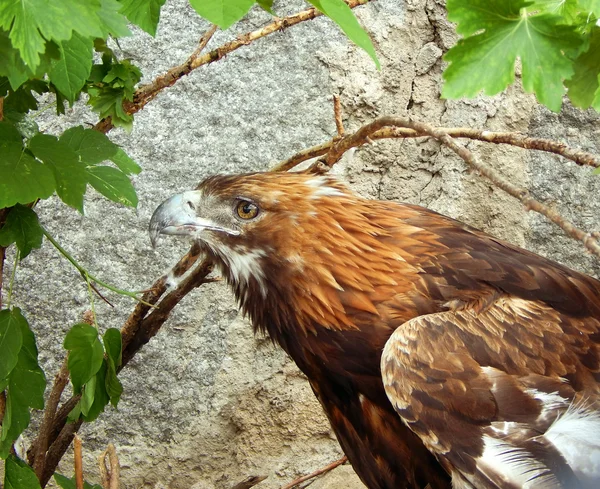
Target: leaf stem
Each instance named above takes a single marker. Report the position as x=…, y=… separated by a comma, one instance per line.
x=84, y=273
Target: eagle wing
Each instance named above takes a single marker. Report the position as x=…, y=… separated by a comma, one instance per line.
x=505, y=395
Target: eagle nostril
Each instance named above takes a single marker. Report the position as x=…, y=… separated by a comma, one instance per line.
x=191, y=205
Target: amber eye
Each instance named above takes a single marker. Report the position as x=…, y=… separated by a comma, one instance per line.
x=246, y=210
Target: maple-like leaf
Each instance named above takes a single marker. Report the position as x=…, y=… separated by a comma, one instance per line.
x=497, y=32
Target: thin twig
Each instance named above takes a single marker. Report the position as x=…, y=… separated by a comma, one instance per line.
x=148, y=92
x=316, y=473
x=87, y=276
x=249, y=482
x=337, y=113
x=78, y=462
x=582, y=158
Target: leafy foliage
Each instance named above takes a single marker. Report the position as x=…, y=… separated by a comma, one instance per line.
x=556, y=42
x=23, y=380
x=19, y=475
x=93, y=373
x=22, y=227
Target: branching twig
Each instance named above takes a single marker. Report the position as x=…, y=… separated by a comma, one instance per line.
x=143, y=323
x=391, y=127
x=147, y=92
x=514, y=139
x=316, y=473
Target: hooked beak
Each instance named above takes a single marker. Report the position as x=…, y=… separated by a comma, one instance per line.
x=178, y=216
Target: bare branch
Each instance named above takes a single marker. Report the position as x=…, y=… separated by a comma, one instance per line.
x=443, y=135
x=316, y=473
x=582, y=158
x=147, y=92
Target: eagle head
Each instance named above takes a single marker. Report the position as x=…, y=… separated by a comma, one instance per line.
x=275, y=237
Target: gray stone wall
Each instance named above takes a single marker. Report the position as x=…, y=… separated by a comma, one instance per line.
x=206, y=403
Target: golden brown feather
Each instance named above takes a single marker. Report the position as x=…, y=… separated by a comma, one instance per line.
x=492, y=353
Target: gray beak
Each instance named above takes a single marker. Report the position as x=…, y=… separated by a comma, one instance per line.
x=178, y=216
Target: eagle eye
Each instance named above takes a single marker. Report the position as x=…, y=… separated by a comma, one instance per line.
x=246, y=210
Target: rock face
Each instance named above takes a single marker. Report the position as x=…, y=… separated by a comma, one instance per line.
x=206, y=403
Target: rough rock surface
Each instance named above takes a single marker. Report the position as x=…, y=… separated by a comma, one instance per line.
x=206, y=403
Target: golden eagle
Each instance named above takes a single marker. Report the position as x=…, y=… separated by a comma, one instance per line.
x=442, y=355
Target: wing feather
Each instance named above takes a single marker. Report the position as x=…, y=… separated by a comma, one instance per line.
x=504, y=395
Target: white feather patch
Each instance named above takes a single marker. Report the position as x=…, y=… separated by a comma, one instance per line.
x=244, y=263
x=576, y=435
x=515, y=465
x=320, y=188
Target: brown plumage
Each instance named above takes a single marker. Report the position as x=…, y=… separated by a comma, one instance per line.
x=438, y=352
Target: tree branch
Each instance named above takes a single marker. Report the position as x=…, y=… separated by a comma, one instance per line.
x=384, y=124
x=37, y=452
x=582, y=158
x=316, y=473
x=55, y=436
x=147, y=92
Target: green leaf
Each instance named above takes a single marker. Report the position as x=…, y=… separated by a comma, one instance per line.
x=69, y=73
x=596, y=171
x=22, y=178
x=67, y=483
x=499, y=31
x=266, y=5
x=569, y=10
x=143, y=13
x=94, y=397
x=342, y=15
x=85, y=354
x=25, y=390
x=91, y=146
x=113, y=347
x=224, y=13
x=583, y=87
x=113, y=385
x=11, y=339
x=68, y=171
x=125, y=163
x=113, y=184
x=19, y=475
x=11, y=64
x=23, y=228
x=32, y=22
x=87, y=396
x=101, y=397
x=591, y=6
x=113, y=344
x=113, y=22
